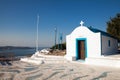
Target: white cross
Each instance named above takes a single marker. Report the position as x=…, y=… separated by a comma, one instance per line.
x=81, y=23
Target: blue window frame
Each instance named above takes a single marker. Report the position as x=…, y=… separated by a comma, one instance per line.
x=108, y=43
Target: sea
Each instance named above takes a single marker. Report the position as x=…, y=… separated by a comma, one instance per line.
x=22, y=52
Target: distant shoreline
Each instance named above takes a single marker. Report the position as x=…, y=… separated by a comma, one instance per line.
x=19, y=51
x=14, y=47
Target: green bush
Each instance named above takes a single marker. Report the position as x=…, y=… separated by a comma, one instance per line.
x=59, y=46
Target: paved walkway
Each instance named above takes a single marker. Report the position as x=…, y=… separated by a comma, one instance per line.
x=63, y=71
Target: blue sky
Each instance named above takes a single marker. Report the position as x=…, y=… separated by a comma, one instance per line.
x=18, y=19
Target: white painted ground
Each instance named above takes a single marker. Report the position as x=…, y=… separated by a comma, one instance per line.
x=54, y=71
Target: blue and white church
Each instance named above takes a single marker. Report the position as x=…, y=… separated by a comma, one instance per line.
x=87, y=42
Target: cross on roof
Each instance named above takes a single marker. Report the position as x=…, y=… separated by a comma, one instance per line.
x=81, y=23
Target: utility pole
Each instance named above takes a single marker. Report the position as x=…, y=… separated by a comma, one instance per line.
x=59, y=41
x=55, y=36
x=37, y=33
x=61, y=38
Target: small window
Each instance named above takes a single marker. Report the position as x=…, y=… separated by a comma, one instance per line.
x=108, y=43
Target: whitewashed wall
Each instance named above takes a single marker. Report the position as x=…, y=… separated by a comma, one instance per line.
x=106, y=49
x=94, y=45
x=70, y=48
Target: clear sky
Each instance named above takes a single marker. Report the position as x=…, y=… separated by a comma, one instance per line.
x=18, y=19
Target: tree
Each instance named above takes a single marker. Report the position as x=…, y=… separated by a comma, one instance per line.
x=113, y=26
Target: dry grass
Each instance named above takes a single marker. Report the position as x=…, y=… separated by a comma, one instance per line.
x=57, y=52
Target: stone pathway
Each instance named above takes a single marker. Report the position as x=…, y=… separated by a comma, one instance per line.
x=63, y=71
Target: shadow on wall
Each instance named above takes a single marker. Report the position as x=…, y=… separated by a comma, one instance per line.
x=119, y=50
x=117, y=53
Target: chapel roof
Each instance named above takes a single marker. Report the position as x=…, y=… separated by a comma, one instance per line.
x=102, y=32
